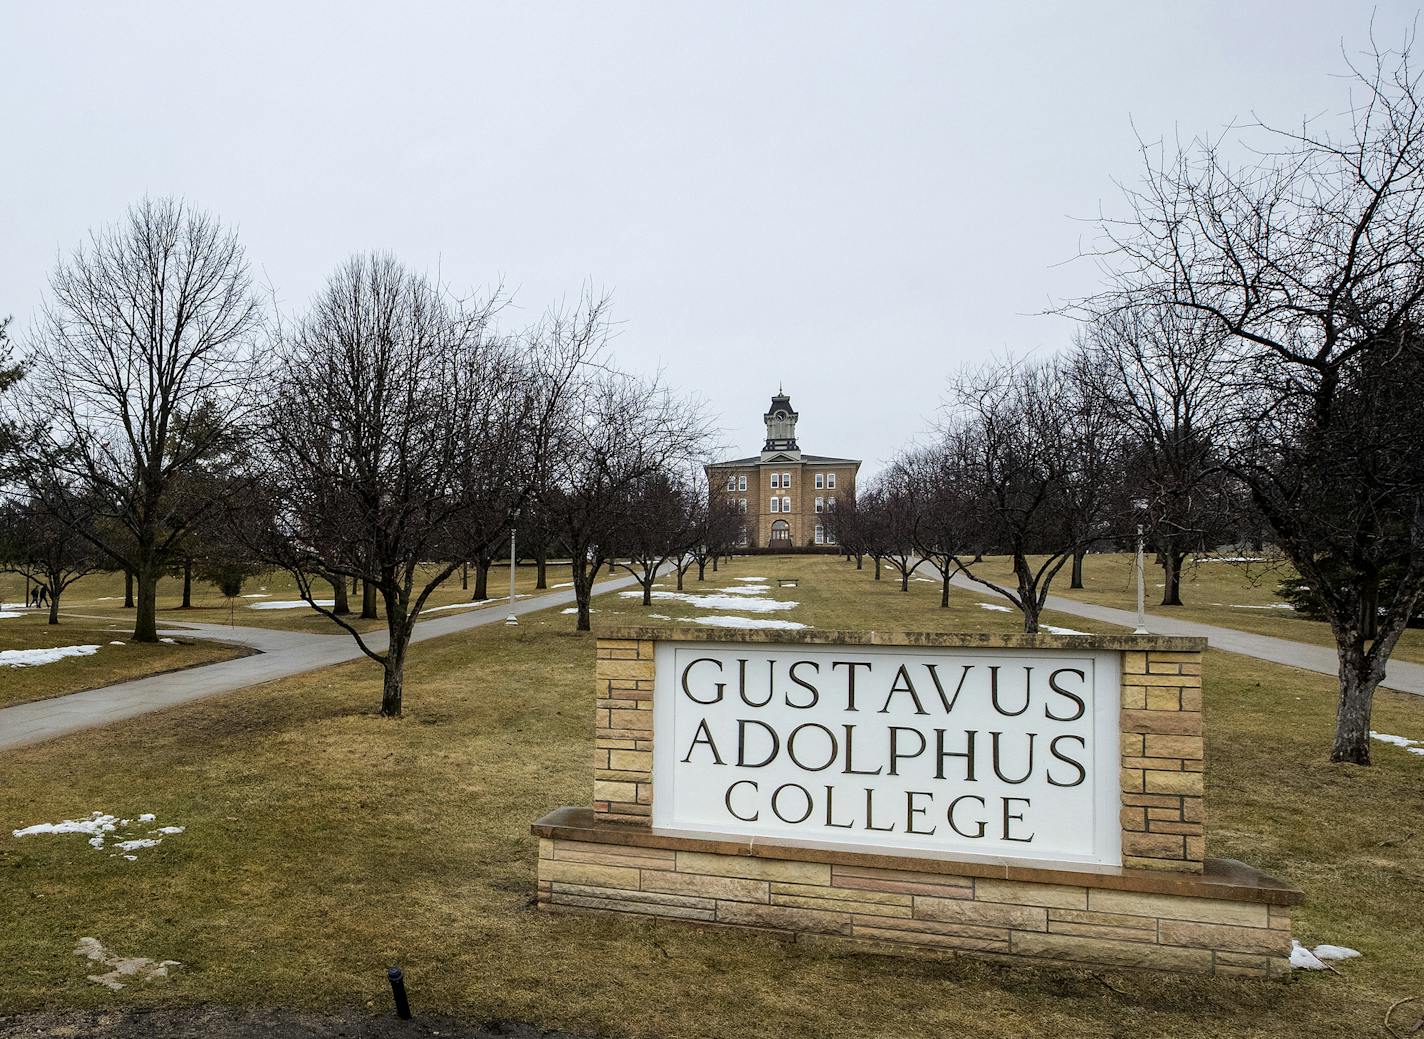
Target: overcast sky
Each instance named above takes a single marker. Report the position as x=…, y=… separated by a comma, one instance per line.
x=847, y=199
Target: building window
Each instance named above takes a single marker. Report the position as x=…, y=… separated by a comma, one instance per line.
x=831, y=503
x=775, y=504
x=742, y=482
x=785, y=504
x=820, y=505
x=830, y=479
x=820, y=534
x=742, y=506
x=731, y=483
x=742, y=536
x=776, y=480
x=830, y=536
x=820, y=480
x=786, y=480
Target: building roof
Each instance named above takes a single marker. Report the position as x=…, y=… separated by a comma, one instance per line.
x=809, y=459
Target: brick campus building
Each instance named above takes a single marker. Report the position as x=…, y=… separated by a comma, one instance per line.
x=783, y=493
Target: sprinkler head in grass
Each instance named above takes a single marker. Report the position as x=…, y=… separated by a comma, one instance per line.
x=397, y=980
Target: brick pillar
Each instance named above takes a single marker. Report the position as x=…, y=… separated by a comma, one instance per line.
x=623, y=731
x=1162, y=760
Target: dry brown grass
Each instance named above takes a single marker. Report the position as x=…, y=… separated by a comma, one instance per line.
x=324, y=844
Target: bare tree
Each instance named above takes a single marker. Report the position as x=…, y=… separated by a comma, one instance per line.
x=938, y=531
x=1161, y=372
x=616, y=432
x=719, y=523
x=657, y=524
x=1016, y=438
x=395, y=401
x=149, y=324
x=888, y=509
x=1304, y=254
x=47, y=548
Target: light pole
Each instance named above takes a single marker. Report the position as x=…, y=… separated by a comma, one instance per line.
x=513, y=561
x=1141, y=589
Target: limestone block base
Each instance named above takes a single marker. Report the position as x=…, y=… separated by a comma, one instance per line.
x=1228, y=920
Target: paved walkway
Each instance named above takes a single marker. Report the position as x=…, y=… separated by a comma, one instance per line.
x=1401, y=676
x=281, y=654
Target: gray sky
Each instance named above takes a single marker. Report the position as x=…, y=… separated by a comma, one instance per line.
x=848, y=199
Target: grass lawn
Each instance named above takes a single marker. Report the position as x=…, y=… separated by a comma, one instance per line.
x=323, y=844
x=1229, y=595
x=108, y=665
x=98, y=599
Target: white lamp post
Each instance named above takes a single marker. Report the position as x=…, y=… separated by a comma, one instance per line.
x=511, y=619
x=1141, y=589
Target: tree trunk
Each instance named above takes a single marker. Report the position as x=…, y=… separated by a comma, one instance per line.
x=714, y=564
x=482, y=569
x=680, y=572
x=368, y=601
x=1358, y=680
x=1172, y=577
x=647, y=583
x=54, y=604
x=128, y=590
x=464, y=577
x=583, y=582
x=541, y=569
x=944, y=573
x=877, y=568
x=702, y=569
x=146, y=622
x=859, y=561
x=341, y=606
x=1075, y=579
x=392, y=689
x=904, y=580
x=187, y=585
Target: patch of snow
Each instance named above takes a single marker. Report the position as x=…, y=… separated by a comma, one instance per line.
x=123, y=969
x=36, y=657
x=258, y=595
x=288, y=604
x=169, y=642
x=747, y=589
x=99, y=826
x=574, y=609
x=1268, y=606
x=566, y=584
x=456, y=606
x=725, y=621
x=1302, y=958
x=659, y=617
x=1050, y=629
x=7, y=614
x=720, y=601
x=1413, y=746
x=756, y=580
x=1231, y=559
x=118, y=643
x=996, y=607
x=1320, y=957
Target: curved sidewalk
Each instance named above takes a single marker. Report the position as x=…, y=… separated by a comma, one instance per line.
x=281, y=654
x=1401, y=675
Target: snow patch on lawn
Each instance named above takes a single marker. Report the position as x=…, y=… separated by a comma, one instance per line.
x=36, y=657
x=7, y=614
x=288, y=604
x=757, y=580
x=727, y=621
x=659, y=617
x=1231, y=559
x=1413, y=746
x=118, y=643
x=720, y=601
x=1320, y=957
x=100, y=825
x=123, y=969
x=1268, y=606
x=574, y=609
x=1050, y=629
x=995, y=607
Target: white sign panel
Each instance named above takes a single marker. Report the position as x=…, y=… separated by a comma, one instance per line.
x=941, y=752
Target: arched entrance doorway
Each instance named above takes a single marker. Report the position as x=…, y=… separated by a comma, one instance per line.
x=780, y=534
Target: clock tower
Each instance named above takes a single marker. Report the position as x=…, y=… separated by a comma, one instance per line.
x=780, y=429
